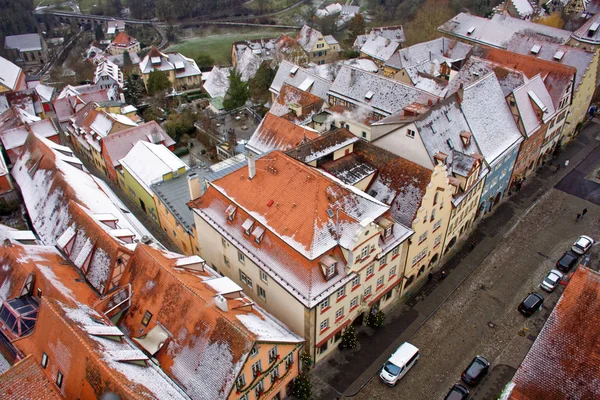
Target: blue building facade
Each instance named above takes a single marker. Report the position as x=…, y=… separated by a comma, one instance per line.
x=498, y=179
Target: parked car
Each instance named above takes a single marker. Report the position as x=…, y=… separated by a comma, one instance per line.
x=475, y=371
x=399, y=363
x=458, y=392
x=551, y=280
x=567, y=261
x=582, y=245
x=531, y=304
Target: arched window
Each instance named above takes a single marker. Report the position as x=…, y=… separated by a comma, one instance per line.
x=421, y=271
x=409, y=281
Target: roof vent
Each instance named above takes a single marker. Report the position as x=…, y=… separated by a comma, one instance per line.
x=471, y=30
x=293, y=71
x=450, y=144
x=221, y=302
x=536, y=49
x=593, y=28
x=369, y=95
x=146, y=239
x=559, y=55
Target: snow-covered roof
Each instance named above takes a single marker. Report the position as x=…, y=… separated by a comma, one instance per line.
x=276, y=133
x=379, y=48
x=297, y=76
x=330, y=71
x=110, y=356
x=110, y=70
x=440, y=131
x=330, y=40
x=308, y=37
x=589, y=31
x=578, y=58
x=9, y=74
x=389, y=96
x=45, y=92
x=248, y=63
x=149, y=163
x=50, y=176
x=498, y=31
x=156, y=60
x=262, y=48
x=441, y=49
x=489, y=118
x=23, y=43
x=208, y=346
x=523, y=7
x=14, y=138
x=216, y=83
x=530, y=98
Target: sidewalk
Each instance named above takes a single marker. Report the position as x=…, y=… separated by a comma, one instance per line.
x=347, y=372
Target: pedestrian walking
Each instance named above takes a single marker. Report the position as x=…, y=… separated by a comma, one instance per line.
x=473, y=244
x=443, y=275
x=566, y=163
x=578, y=217
x=429, y=277
x=583, y=213
x=557, y=168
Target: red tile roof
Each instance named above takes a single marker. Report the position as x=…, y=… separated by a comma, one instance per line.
x=291, y=95
x=208, y=346
x=563, y=361
x=26, y=381
x=557, y=77
x=123, y=39
x=276, y=133
x=54, y=275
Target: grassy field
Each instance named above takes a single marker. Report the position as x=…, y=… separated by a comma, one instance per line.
x=218, y=45
x=270, y=5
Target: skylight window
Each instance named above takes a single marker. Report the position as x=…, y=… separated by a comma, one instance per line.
x=593, y=28
x=369, y=95
x=293, y=71
x=330, y=212
x=450, y=144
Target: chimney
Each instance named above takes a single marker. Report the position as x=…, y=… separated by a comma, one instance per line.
x=460, y=92
x=194, y=186
x=251, y=166
x=221, y=303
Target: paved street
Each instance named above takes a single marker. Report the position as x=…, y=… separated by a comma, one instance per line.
x=473, y=311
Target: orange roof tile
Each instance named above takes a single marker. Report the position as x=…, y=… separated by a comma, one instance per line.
x=290, y=95
x=563, y=361
x=301, y=198
x=54, y=275
x=26, y=381
x=557, y=77
x=75, y=339
x=276, y=133
x=183, y=302
x=123, y=39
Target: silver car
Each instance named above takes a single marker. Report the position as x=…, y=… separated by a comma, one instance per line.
x=551, y=280
x=582, y=245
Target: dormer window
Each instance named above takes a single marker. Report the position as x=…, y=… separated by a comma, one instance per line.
x=258, y=233
x=440, y=158
x=247, y=225
x=466, y=138
x=328, y=265
x=231, y=212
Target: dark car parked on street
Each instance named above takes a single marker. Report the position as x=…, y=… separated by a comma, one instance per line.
x=567, y=261
x=531, y=304
x=475, y=371
x=458, y=392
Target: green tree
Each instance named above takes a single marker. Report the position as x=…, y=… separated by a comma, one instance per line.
x=238, y=91
x=133, y=90
x=153, y=113
x=158, y=83
x=349, y=338
x=302, y=386
x=165, y=10
x=204, y=61
x=260, y=84
x=430, y=16
x=99, y=32
x=356, y=27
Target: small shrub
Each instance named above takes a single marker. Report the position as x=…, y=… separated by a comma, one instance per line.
x=181, y=151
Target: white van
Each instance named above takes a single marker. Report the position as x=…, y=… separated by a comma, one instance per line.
x=399, y=363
